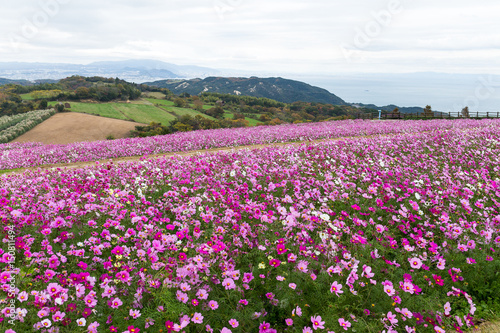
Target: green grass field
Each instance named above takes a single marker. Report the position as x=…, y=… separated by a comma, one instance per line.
x=144, y=113
x=153, y=95
x=251, y=121
x=101, y=109
x=27, y=97
x=136, y=112
x=162, y=102
x=169, y=106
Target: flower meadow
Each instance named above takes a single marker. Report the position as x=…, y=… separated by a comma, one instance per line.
x=369, y=234
x=15, y=155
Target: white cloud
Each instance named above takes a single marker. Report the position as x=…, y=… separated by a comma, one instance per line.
x=325, y=36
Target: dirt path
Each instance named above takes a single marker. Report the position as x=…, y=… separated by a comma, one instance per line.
x=69, y=127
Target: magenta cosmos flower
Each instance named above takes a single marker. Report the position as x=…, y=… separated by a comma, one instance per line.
x=317, y=322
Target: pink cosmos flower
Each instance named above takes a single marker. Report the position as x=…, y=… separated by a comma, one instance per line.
x=389, y=290
x=23, y=296
x=116, y=303
x=228, y=283
x=297, y=311
x=225, y=330
x=437, y=279
x=344, y=323
x=307, y=330
x=415, y=263
x=82, y=265
x=447, y=309
x=48, y=273
x=182, y=297
x=93, y=328
x=270, y=295
x=185, y=286
x=134, y=313
x=274, y=262
x=247, y=277
x=43, y=312
x=213, y=305
x=302, y=266
x=53, y=288
x=408, y=287
x=202, y=294
x=289, y=321
x=336, y=288
x=90, y=301
x=234, y=323
x=392, y=318
x=108, y=291
x=264, y=327
x=280, y=248
x=197, y=318
x=317, y=322
x=407, y=313
x=118, y=250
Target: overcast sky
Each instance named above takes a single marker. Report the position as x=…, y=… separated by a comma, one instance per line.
x=292, y=36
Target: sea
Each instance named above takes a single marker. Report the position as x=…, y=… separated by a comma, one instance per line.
x=443, y=92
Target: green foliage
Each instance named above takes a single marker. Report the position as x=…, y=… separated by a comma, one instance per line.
x=59, y=107
x=179, y=102
x=43, y=104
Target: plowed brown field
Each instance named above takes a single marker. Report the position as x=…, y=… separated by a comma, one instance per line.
x=63, y=128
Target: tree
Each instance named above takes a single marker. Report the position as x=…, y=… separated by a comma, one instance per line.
x=216, y=112
x=395, y=113
x=428, y=111
x=465, y=112
x=237, y=116
x=179, y=102
x=82, y=93
x=43, y=104
x=198, y=104
x=59, y=107
x=181, y=127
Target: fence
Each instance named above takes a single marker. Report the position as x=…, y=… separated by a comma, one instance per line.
x=434, y=115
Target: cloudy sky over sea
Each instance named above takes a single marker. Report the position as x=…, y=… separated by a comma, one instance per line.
x=292, y=36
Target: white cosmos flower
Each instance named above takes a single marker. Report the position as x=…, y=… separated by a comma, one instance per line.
x=325, y=217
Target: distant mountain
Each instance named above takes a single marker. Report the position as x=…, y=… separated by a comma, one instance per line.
x=136, y=71
x=177, y=71
x=20, y=82
x=391, y=107
x=279, y=89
